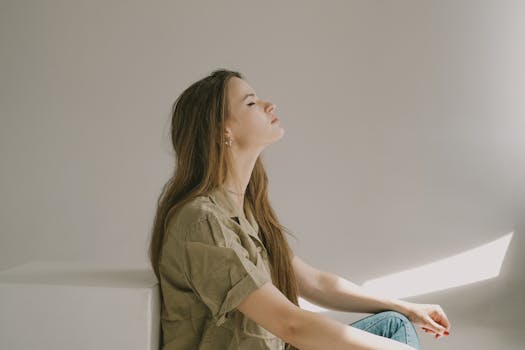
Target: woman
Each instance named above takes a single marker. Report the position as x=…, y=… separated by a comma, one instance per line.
x=228, y=277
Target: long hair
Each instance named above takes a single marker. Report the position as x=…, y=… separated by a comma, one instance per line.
x=202, y=163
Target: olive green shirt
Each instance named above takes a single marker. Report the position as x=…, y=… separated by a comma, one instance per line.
x=211, y=259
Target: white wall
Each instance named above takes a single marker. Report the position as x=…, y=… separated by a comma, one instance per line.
x=404, y=128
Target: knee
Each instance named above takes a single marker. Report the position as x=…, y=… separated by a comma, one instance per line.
x=411, y=337
x=397, y=315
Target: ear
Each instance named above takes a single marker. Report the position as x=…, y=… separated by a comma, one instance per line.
x=228, y=132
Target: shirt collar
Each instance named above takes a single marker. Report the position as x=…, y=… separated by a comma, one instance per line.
x=220, y=197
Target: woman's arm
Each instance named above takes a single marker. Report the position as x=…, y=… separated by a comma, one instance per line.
x=334, y=292
x=306, y=330
x=312, y=331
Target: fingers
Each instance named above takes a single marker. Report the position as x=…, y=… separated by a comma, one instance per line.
x=444, y=320
x=441, y=322
x=437, y=335
x=436, y=327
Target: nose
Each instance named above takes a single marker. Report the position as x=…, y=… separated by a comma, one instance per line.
x=272, y=107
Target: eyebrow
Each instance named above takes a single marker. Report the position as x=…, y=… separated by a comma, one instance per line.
x=244, y=98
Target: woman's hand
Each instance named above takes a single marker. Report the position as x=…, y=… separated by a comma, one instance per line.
x=430, y=317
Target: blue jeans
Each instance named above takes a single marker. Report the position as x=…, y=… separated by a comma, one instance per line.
x=390, y=324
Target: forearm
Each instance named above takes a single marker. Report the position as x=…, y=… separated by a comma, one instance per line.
x=312, y=331
x=336, y=293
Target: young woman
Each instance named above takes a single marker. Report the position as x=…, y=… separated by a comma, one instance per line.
x=228, y=277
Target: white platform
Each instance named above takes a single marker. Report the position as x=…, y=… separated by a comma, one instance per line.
x=80, y=306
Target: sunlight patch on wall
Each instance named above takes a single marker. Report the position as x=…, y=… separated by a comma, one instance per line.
x=474, y=265
x=477, y=264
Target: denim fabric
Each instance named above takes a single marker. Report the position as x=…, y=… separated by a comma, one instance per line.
x=390, y=324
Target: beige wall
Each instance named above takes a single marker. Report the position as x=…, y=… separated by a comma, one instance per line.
x=404, y=128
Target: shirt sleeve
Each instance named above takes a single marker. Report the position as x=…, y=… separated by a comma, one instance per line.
x=218, y=267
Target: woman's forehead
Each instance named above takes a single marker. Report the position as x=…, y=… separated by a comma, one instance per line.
x=239, y=88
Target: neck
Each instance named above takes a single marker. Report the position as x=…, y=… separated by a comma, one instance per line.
x=242, y=167
x=237, y=198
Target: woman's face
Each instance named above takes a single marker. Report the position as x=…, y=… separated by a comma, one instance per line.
x=250, y=122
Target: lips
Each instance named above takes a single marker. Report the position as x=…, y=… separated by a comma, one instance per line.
x=274, y=119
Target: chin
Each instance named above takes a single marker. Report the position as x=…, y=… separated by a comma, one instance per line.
x=281, y=135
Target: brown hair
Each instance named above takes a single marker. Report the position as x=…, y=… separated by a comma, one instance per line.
x=198, y=138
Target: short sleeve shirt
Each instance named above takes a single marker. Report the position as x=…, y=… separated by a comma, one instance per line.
x=212, y=257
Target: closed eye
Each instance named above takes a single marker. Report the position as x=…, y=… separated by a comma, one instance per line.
x=251, y=104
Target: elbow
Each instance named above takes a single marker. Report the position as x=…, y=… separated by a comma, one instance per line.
x=292, y=330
